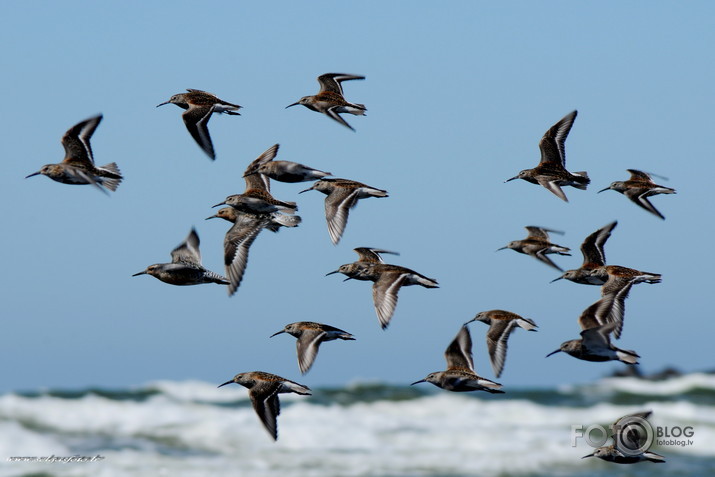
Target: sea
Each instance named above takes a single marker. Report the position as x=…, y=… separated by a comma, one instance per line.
x=191, y=428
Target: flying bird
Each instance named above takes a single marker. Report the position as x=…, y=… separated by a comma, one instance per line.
x=342, y=195
x=310, y=335
x=551, y=171
x=501, y=325
x=263, y=389
x=460, y=375
x=78, y=165
x=185, y=267
x=537, y=245
x=199, y=106
x=330, y=99
x=638, y=188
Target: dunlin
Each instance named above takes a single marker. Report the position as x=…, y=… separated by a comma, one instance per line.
x=342, y=195
x=630, y=436
x=330, y=100
x=257, y=198
x=551, y=171
x=283, y=171
x=594, y=257
x=538, y=246
x=460, y=375
x=199, y=106
x=615, y=277
x=595, y=342
x=387, y=282
x=78, y=165
x=501, y=325
x=310, y=335
x=638, y=188
x=185, y=267
x=263, y=389
x=276, y=219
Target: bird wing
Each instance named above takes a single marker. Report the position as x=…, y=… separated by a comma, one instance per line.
x=196, y=119
x=332, y=113
x=592, y=246
x=384, y=295
x=188, y=250
x=337, y=206
x=264, y=396
x=371, y=255
x=236, y=245
x=307, y=348
x=552, y=144
x=331, y=82
x=459, y=352
x=76, y=142
x=256, y=180
x=497, y=337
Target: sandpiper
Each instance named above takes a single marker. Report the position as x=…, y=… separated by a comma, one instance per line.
x=630, y=436
x=310, y=335
x=638, y=188
x=387, y=282
x=263, y=389
x=185, y=267
x=330, y=100
x=537, y=245
x=551, y=171
x=593, y=258
x=342, y=195
x=199, y=106
x=595, y=342
x=78, y=165
x=501, y=325
x=460, y=375
x=615, y=277
x=257, y=198
x=240, y=237
x=283, y=171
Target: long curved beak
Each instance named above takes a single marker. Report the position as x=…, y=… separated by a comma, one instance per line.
x=162, y=104
x=212, y=217
x=140, y=273
x=33, y=174
x=515, y=177
x=417, y=382
x=349, y=278
x=553, y=352
x=333, y=272
x=589, y=455
x=555, y=279
x=227, y=382
x=503, y=248
x=274, y=334
x=294, y=104
x=306, y=190
x=220, y=203
x=603, y=190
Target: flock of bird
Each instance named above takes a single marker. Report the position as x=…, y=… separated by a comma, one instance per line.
x=256, y=209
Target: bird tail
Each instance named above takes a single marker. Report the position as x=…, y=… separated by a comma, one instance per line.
x=582, y=180
x=111, y=177
x=278, y=220
x=653, y=457
x=527, y=324
x=627, y=356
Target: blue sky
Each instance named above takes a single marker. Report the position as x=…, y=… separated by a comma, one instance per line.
x=458, y=96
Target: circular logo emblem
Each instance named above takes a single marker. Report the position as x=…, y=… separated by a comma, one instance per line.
x=633, y=435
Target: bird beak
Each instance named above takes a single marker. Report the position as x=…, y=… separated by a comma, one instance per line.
x=162, y=104
x=274, y=334
x=417, y=382
x=140, y=273
x=349, y=278
x=227, y=382
x=220, y=203
x=602, y=190
x=553, y=352
x=33, y=174
x=503, y=248
x=589, y=455
x=306, y=190
x=555, y=279
x=212, y=217
x=515, y=177
x=294, y=104
x=331, y=273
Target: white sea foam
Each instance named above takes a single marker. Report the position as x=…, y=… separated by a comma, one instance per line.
x=187, y=429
